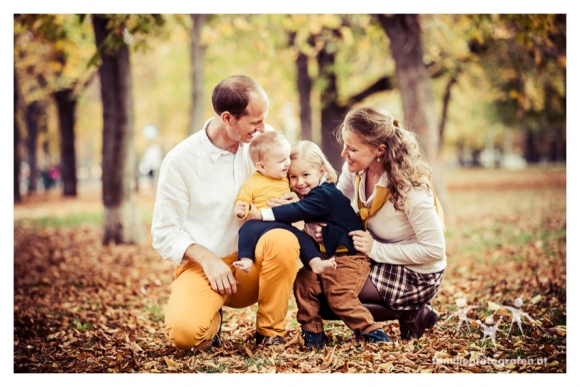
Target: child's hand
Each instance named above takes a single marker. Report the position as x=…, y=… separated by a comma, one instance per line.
x=240, y=209
x=244, y=264
x=254, y=213
x=289, y=197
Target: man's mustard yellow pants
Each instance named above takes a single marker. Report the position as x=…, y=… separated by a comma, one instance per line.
x=192, y=312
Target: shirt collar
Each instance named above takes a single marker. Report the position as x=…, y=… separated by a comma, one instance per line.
x=382, y=181
x=213, y=151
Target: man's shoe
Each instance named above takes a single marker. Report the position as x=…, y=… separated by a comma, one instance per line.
x=413, y=324
x=314, y=340
x=217, y=341
x=378, y=335
x=269, y=341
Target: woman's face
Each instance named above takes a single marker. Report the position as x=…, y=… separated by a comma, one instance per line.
x=359, y=156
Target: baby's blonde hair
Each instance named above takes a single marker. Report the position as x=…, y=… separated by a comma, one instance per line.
x=310, y=152
x=260, y=145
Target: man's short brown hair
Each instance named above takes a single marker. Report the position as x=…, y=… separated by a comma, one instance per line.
x=233, y=95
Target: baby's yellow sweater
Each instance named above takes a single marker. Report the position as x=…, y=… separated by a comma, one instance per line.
x=259, y=189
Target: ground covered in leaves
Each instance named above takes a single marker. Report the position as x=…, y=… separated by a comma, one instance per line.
x=80, y=306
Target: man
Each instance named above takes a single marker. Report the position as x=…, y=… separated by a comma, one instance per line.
x=195, y=227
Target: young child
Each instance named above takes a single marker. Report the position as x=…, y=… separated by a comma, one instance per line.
x=313, y=179
x=270, y=153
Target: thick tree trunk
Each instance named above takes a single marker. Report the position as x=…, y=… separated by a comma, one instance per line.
x=122, y=223
x=445, y=109
x=32, y=114
x=304, y=83
x=331, y=114
x=404, y=32
x=532, y=154
x=413, y=80
x=197, y=53
x=17, y=196
x=66, y=105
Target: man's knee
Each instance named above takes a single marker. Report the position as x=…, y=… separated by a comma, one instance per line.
x=186, y=333
x=183, y=337
x=279, y=245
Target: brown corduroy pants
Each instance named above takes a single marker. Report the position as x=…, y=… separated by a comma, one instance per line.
x=341, y=288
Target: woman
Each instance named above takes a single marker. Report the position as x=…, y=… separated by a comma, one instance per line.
x=389, y=184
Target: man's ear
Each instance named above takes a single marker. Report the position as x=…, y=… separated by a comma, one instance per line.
x=227, y=118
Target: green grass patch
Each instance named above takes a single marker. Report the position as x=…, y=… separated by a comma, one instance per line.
x=75, y=220
x=72, y=220
x=156, y=312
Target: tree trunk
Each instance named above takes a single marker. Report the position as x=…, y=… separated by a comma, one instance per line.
x=445, y=109
x=404, y=32
x=304, y=83
x=32, y=113
x=122, y=223
x=197, y=53
x=17, y=196
x=331, y=114
x=66, y=105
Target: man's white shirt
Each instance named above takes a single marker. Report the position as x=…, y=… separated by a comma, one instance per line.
x=197, y=188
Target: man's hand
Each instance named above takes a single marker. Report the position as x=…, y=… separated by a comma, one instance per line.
x=218, y=273
x=240, y=209
x=289, y=197
x=314, y=229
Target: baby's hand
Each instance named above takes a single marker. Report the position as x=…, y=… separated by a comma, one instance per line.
x=244, y=264
x=240, y=209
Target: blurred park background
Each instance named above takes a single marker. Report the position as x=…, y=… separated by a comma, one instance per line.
x=99, y=100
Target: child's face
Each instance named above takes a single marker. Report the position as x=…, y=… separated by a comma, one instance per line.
x=304, y=177
x=276, y=162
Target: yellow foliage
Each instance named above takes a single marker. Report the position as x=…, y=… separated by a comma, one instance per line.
x=347, y=35
x=241, y=24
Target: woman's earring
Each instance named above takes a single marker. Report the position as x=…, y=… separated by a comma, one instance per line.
x=378, y=159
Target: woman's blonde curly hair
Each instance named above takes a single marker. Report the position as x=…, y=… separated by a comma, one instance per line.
x=402, y=160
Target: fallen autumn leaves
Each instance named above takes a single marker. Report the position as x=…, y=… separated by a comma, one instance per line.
x=83, y=307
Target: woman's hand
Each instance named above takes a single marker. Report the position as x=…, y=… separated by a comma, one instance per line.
x=254, y=213
x=289, y=197
x=314, y=229
x=363, y=241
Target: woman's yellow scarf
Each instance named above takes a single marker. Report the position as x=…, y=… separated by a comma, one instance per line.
x=382, y=194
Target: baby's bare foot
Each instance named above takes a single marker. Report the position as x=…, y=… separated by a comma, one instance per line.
x=319, y=266
x=244, y=265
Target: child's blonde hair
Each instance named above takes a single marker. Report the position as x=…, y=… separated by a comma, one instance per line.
x=263, y=142
x=310, y=152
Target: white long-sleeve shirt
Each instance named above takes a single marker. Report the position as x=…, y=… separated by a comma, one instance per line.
x=197, y=188
x=413, y=237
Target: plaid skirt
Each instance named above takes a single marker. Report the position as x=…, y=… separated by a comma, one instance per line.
x=402, y=288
